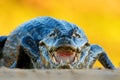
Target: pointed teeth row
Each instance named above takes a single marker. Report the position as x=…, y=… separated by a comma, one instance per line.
x=54, y=60
x=68, y=61
x=61, y=61
x=76, y=59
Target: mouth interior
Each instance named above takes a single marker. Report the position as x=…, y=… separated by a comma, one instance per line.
x=65, y=54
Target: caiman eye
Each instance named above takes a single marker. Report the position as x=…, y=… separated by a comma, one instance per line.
x=76, y=35
x=52, y=35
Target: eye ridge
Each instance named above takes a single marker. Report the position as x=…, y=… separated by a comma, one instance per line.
x=76, y=35
x=53, y=35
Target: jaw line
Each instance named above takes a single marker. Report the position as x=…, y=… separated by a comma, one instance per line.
x=55, y=64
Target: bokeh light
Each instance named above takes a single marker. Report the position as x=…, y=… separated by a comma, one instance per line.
x=100, y=19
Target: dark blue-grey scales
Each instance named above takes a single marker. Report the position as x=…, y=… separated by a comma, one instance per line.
x=49, y=43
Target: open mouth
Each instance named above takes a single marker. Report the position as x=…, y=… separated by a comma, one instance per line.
x=64, y=55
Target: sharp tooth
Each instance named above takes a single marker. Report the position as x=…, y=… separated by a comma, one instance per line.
x=54, y=60
x=75, y=59
x=61, y=61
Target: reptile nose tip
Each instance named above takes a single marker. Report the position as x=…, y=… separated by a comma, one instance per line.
x=64, y=41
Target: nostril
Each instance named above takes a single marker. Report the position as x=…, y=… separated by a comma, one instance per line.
x=63, y=36
x=65, y=41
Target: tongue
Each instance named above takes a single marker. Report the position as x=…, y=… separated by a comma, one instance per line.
x=65, y=56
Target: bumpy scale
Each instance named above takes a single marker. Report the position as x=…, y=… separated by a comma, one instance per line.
x=48, y=43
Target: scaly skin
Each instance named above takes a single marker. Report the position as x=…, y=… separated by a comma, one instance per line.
x=48, y=43
x=2, y=42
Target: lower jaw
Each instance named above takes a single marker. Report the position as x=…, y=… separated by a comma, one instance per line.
x=64, y=66
x=57, y=65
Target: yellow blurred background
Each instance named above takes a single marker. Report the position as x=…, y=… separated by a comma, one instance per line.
x=100, y=19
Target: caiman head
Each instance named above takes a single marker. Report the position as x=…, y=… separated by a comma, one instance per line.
x=62, y=48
